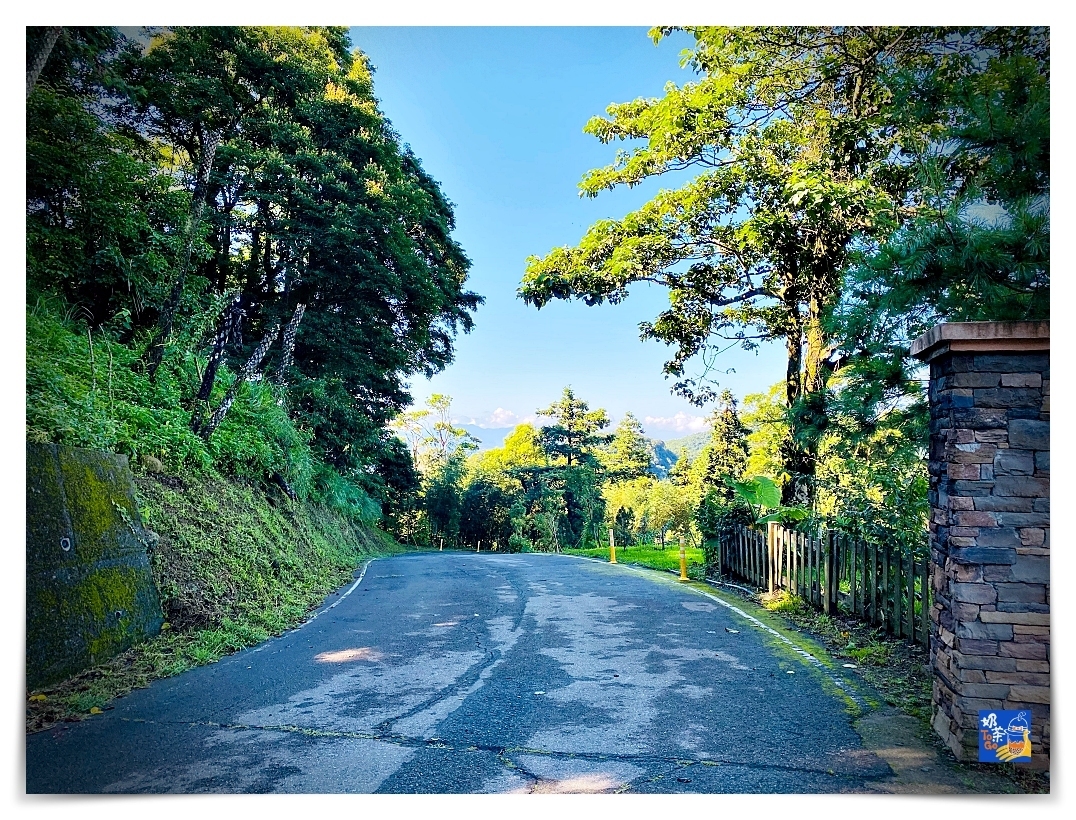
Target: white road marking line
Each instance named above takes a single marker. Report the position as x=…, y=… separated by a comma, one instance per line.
x=321, y=611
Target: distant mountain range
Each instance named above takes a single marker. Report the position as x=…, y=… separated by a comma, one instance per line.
x=664, y=454
x=661, y=457
x=691, y=445
x=489, y=437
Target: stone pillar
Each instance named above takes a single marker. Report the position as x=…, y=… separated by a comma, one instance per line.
x=990, y=526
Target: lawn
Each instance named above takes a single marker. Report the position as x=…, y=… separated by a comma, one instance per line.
x=651, y=555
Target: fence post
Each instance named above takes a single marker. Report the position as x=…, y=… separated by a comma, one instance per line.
x=853, y=586
x=897, y=591
x=797, y=561
x=816, y=571
x=771, y=538
x=757, y=553
x=786, y=561
x=924, y=589
x=817, y=557
x=830, y=574
x=910, y=584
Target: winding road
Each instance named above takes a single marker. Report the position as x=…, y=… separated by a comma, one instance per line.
x=457, y=672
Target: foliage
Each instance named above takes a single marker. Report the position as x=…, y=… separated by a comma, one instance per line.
x=670, y=509
x=430, y=434
x=308, y=198
x=831, y=161
x=765, y=416
x=758, y=493
x=443, y=494
x=628, y=453
x=627, y=508
x=521, y=449
x=718, y=523
x=726, y=452
x=573, y=437
x=485, y=514
x=233, y=567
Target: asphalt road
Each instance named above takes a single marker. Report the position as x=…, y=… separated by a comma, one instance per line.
x=456, y=672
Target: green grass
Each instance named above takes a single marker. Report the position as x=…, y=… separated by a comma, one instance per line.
x=651, y=555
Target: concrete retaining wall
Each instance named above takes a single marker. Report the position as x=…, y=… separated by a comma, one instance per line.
x=90, y=593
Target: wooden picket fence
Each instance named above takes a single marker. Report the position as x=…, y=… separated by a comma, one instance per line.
x=835, y=572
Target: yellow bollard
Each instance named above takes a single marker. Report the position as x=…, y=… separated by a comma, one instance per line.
x=612, y=547
x=683, y=560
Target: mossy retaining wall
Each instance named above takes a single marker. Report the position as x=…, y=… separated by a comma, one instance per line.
x=90, y=592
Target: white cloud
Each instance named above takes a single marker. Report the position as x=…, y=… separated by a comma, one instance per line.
x=680, y=423
x=502, y=418
x=499, y=419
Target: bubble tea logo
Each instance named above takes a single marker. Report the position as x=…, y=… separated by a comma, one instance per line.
x=1004, y=736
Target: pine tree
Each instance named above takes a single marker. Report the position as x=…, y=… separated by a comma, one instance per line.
x=725, y=455
x=628, y=454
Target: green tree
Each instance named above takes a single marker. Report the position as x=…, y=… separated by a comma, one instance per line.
x=799, y=137
x=628, y=454
x=574, y=436
x=251, y=161
x=443, y=499
x=626, y=508
x=521, y=449
x=765, y=415
x=486, y=514
x=100, y=209
x=670, y=508
x=311, y=200
x=725, y=454
x=430, y=433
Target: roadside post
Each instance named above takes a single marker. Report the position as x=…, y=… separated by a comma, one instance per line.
x=612, y=547
x=479, y=547
x=683, y=559
x=440, y=548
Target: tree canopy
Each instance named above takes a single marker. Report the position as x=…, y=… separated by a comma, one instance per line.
x=809, y=143
x=212, y=190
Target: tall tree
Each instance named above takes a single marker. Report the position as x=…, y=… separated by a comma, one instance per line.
x=628, y=454
x=574, y=435
x=794, y=135
x=725, y=454
x=311, y=200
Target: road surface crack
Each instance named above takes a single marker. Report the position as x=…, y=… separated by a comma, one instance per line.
x=506, y=753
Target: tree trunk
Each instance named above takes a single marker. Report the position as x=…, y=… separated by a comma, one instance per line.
x=42, y=57
x=225, y=258
x=800, y=448
x=230, y=331
x=246, y=374
x=155, y=352
x=290, y=331
x=814, y=379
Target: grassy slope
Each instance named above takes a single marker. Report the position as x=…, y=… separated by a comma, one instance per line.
x=233, y=566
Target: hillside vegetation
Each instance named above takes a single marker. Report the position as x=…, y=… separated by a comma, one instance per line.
x=234, y=264
x=234, y=565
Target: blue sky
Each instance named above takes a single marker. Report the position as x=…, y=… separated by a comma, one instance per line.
x=496, y=115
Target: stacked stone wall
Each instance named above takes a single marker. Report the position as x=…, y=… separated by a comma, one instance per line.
x=990, y=541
